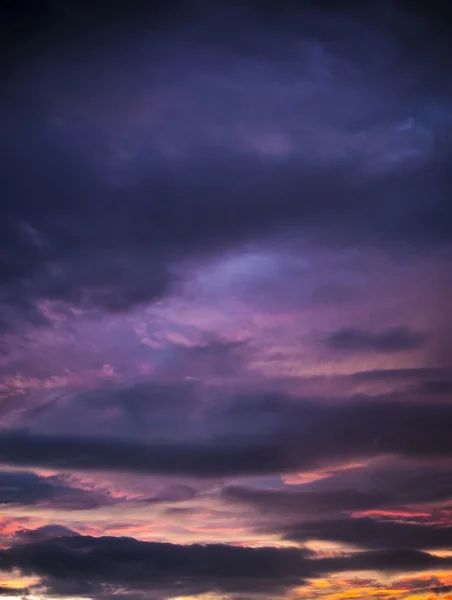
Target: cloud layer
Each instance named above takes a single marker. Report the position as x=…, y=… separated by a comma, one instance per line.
x=225, y=287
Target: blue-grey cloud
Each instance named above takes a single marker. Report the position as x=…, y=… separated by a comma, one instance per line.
x=392, y=340
x=251, y=434
x=29, y=489
x=121, y=167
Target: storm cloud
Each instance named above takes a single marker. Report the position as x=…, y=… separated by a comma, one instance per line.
x=121, y=202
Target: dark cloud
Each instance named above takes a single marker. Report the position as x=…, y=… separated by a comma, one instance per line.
x=132, y=410
x=317, y=430
x=383, y=560
x=383, y=485
x=202, y=459
x=408, y=375
x=394, y=339
x=172, y=493
x=308, y=502
x=384, y=482
x=143, y=145
x=252, y=435
x=418, y=583
x=441, y=387
x=102, y=198
x=10, y=591
x=372, y=533
x=210, y=358
x=41, y=534
x=29, y=489
x=440, y=589
x=94, y=565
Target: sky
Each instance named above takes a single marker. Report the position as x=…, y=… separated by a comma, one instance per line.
x=225, y=290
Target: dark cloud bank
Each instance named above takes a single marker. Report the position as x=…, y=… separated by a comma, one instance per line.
x=252, y=435
x=85, y=566
x=82, y=223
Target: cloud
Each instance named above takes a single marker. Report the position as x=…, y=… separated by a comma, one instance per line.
x=97, y=563
x=408, y=375
x=250, y=434
x=83, y=565
x=200, y=459
x=29, y=489
x=440, y=589
x=373, y=533
x=307, y=502
x=392, y=340
x=172, y=493
x=383, y=560
x=195, y=177
x=441, y=387
x=46, y=532
x=118, y=173
x=10, y=591
x=119, y=410
x=318, y=429
x=383, y=484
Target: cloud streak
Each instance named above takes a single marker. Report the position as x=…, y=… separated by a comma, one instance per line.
x=396, y=339
x=29, y=489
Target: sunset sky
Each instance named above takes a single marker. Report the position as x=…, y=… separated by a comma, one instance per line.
x=225, y=295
